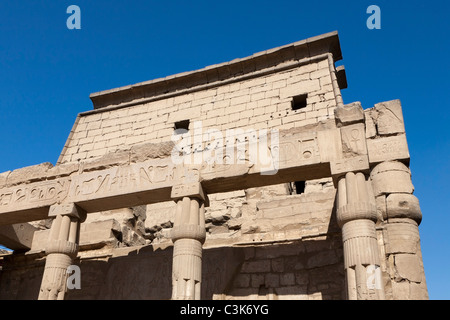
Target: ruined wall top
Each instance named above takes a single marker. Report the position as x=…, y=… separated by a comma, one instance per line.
x=133, y=94
x=285, y=87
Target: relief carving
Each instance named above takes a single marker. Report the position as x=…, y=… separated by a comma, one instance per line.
x=32, y=194
x=353, y=140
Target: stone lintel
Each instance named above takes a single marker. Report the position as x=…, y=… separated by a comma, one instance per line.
x=17, y=236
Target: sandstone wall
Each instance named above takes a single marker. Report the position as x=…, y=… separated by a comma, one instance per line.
x=258, y=103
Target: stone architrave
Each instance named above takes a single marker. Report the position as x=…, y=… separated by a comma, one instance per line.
x=133, y=184
x=17, y=236
x=62, y=248
x=188, y=235
x=31, y=201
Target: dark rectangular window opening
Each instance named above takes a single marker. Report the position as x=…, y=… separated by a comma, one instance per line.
x=299, y=187
x=299, y=102
x=181, y=126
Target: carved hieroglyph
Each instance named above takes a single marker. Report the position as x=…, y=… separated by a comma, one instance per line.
x=150, y=181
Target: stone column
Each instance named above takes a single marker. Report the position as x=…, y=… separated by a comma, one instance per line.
x=61, y=249
x=401, y=216
x=356, y=215
x=188, y=236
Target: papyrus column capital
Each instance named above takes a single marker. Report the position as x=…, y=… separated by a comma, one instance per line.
x=188, y=235
x=357, y=215
x=61, y=249
x=355, y=199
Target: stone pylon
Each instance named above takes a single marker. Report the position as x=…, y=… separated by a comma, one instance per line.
x=357, y=216
x=188, y=236
x=62, y=248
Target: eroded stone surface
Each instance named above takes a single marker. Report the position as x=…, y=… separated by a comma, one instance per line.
x=350, y=113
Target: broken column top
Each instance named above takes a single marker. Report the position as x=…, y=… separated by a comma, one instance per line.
x=326, y=43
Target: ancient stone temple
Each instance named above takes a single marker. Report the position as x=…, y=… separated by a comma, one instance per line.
x=249, y=179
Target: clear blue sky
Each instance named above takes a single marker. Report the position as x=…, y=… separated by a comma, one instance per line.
x=48, y=71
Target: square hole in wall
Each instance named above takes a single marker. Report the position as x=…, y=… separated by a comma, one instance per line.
x=181, y=126
x=297, y=187
x=299, y=102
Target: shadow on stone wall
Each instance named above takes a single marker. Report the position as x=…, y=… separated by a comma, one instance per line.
x=310, y=268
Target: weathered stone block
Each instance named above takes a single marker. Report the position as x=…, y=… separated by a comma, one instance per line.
x=272, y=280
x=418, y=291
x=388, y=148
x=120, y=158
x=27, y=174
x=278, y=265
x=402, y=238
x=341, y=166
x=99, y=232
x=405, y=290
x=380, y=202
x=408, y=267
x=70, y=209
x=371, y=129
x=353, y=140
x=322, y=258
x=287, y=279
x=193, y=190
x=257, y=280
x=348, y=114
x=3, y=178
x=63, y=170
x=17, y=236
x=401, y=205
x=256, y=266
x=293, y=293
x=147, y=151
x=242, y=280
x=301, y=277
x=330, y=144
x=389, y=117
x=391, y=177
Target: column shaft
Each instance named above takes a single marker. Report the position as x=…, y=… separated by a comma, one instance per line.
x=357, y=216
x=188, y=236
x=401, y=216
